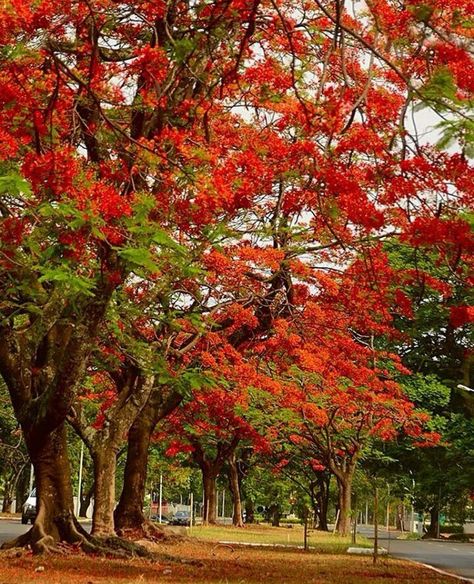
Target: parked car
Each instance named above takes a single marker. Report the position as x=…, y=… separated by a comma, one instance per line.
x=181, y=518
x=28, y=512
x=156, y=517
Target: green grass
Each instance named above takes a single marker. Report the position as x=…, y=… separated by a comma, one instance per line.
x=322, y=542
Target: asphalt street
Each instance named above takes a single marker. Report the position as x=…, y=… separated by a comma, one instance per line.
x=11, y=528
x=452, y=556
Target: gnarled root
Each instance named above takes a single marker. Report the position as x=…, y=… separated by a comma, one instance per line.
x=145, y=530
x=68, y=536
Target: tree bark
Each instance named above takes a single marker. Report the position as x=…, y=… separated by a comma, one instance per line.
x=133, y=392
x=275, y=514
x=7, y=499
x=105, y=464
x=323, y=502
x=86, y=501
x=234, y=485
x=21, y=489
x=249, y=510
x=55, y=519
x=434, y=520
x=129, y=512
x=209, y=477
x=345, y=487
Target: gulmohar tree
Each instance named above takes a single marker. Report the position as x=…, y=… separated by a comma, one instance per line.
x=130, y=128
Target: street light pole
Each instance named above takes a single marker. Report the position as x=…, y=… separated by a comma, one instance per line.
x=79, y=481
x=32, y=475
x=161, y=498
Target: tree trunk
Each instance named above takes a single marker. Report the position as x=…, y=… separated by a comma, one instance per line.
x=234, y=485
x=129, y=512
x=10, y=488
x=345, y=487
x=21, y=489
x=323, y=502
x=400, y=517
x=434, y=520
x=276, y=516
x=86, y=501
x=55, y=519
x=105, y=463
x=249, y=511
x=209, y=477
x=7, y=499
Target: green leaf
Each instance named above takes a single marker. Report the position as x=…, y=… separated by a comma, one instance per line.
x=71, y=281
x=161, y=238
x=182, y=47
x=14, y=184
x=441, y=85
x=141, y=257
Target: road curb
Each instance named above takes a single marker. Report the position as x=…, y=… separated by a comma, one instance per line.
x=438, y=570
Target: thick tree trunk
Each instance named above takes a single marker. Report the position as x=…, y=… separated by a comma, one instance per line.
x=105, y=463
x=55, y=519
x=129, y=512
x=234, y=485
x=345, y=487
x=209, y=477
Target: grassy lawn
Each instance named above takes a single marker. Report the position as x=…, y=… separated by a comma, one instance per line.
x=319, y=541
x=195, y=562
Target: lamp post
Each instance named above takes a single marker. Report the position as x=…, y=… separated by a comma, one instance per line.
x=161, y=498
x=79, y=481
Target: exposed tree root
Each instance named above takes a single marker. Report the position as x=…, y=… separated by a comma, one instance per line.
x=226, y=546
x=149, y=531
x=67, y=536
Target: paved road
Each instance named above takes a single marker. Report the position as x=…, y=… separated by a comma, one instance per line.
x=11, y=528
x=454, y=557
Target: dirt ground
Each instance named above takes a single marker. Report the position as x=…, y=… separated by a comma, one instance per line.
x=191, y=561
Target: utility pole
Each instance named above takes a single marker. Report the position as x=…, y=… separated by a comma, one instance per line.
x=79, y=481
x=160, y=499
x=32, y=476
